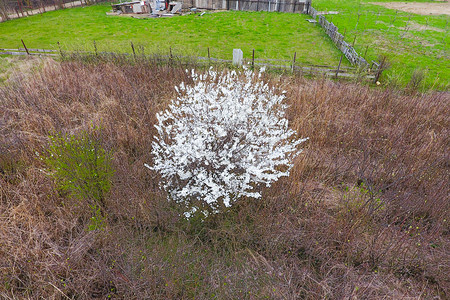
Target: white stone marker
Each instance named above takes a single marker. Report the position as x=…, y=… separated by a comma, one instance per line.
x=238, y=57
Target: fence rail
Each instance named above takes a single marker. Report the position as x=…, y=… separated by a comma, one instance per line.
x=312, y=12
x=28, y=51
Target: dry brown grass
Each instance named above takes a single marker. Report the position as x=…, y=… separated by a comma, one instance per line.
x=364, y=214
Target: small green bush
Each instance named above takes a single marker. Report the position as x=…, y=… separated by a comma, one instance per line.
x=81, y=167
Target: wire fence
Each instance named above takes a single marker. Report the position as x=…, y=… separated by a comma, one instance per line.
x=138, y=55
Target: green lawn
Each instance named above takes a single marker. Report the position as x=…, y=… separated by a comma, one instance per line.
x=411, y=41
x=272, y=35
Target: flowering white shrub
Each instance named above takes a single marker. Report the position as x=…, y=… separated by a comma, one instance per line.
x=221, y=138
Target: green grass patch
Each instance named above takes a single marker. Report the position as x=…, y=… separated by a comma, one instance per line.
x=411, y=42
x=272, y=35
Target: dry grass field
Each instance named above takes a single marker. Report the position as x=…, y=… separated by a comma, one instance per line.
x=363, y=215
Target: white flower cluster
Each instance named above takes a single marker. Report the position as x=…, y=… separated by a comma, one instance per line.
x=222, y=137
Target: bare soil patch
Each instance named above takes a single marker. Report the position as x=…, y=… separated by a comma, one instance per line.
x=421, y=8
x=418, y=27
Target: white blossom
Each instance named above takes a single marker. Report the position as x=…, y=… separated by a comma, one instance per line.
x=221, y=139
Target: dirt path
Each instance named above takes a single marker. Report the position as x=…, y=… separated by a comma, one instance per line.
x=40, y=10
x=421, y=8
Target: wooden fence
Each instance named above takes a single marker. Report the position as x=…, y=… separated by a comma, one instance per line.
x=338, y=39
x=292, y=6
x=297, y=6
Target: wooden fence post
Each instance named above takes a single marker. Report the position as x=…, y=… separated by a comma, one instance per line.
x=359, y=15
x=26, y=49
x=339, y=66
x=393, y=20
x=253, y=60
x=134, y=52
x=42, y=6
x=293, y=62
x=27, y=11
x=354, y=40
x=365, y=52
x=95, y=48
x=380, y=69
x=60, y=50
x=20, y=7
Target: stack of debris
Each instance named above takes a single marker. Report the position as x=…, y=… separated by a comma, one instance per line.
x=154, y=8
